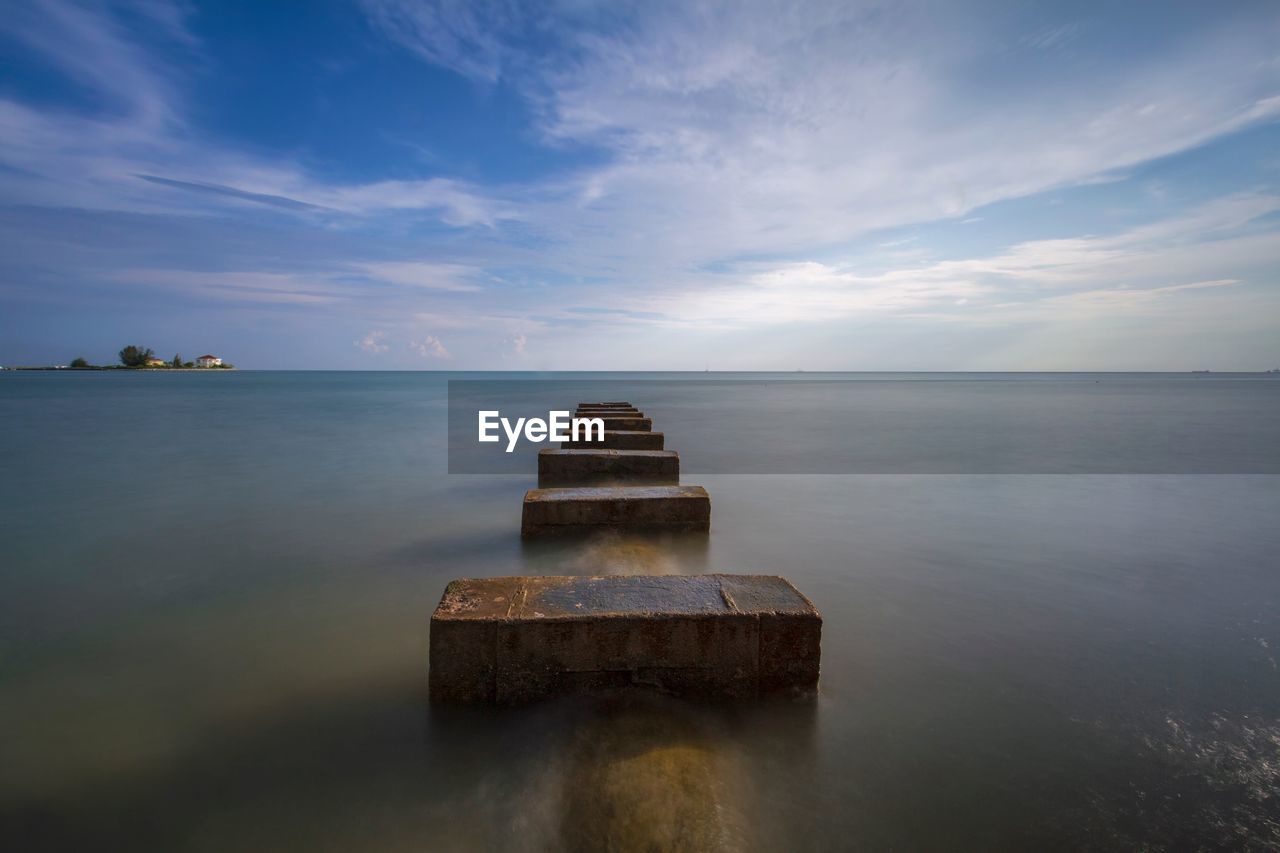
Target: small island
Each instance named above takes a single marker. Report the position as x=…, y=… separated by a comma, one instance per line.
x=134, y=357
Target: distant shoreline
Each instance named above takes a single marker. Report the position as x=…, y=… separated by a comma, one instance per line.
x=115, y=368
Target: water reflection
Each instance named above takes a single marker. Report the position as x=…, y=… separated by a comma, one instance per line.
x=617, y=553
x=651, y=775
x=628, y=769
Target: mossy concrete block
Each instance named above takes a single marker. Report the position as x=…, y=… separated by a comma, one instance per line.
x=575, y=510
x=602, y=466
x=615, y=439
x=726, y=637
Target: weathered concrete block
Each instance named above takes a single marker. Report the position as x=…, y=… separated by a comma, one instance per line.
x=680, y=508
x=619, y=440
x=514, y=640
x=599, y=466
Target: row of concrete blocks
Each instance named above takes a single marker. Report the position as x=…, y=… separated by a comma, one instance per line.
x=627, y=482
x=720, y=637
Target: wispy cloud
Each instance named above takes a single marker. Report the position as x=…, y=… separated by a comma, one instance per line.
x=239, y=287
x=466, y=37
x=260, y=198
x=1105, y=273
x=98, y=51
x=139, y=153
x=425, y=274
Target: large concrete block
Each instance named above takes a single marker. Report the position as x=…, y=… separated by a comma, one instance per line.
x=577, y=510
x=601, y=466
x=514, y=640
x=619, y=440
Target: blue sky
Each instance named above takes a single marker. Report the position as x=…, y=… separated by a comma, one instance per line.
x=388, y=184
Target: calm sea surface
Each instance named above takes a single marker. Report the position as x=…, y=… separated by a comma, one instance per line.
x=215, y=592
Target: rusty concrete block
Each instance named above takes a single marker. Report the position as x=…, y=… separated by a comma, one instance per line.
x=576, y=510
x=619, y=440
x=601, y=466
x=516, y=640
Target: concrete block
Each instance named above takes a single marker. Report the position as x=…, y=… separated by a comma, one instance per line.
x=620, y=440
x=616, y=403
x=516, y=640
x=601, y=466
x=678, y=508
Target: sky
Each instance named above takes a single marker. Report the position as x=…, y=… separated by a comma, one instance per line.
x=572, y=185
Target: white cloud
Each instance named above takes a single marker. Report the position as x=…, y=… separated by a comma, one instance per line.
x=734, y=128
x=373, y=342
x=748, y=128
x=430, y=347
x=1040, y=278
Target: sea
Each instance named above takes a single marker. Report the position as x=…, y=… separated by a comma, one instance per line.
x=1051, y=615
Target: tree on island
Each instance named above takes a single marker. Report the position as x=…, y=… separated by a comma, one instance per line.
x=132, y=356
x=177, y=361
x=79, y=362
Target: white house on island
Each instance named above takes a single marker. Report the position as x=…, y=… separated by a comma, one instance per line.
x=208, y=361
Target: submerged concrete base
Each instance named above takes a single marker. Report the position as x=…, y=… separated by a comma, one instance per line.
x=514, y=640
x=619, y=440
x=600, y=466
x=577, y=510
